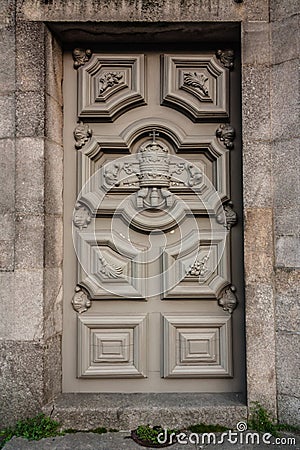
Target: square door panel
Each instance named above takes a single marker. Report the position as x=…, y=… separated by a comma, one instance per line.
x=112, y=346
x=196, y=346
x=110, y=85
x=196, y=85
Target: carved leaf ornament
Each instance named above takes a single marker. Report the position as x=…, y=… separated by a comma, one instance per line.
x=109, y=80
x=196, y=80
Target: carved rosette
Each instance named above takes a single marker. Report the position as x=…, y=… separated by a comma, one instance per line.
x=228, y=217
x=80, y=300
x=81, y=216
x=226, y=57
x=228, y=300
x=109, y=80
x=226, y=134
x=81, y=56
x=196, y=80
x=82, y=134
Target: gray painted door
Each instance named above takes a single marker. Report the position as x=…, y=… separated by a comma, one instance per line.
x=153, y=255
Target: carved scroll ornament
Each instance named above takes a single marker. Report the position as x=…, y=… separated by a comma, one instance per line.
x=228, y=300
x=80, y=300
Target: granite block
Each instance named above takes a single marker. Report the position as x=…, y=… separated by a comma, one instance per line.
x=53, y=302
x=287, y=251
x=7, y=116
x=288, y=409
x=7, y=176
x=285, y=39
x=54, y=67
x=257, y=170
x=256, y=43
x=21, y=381
x=7, y=60
x=30, y=61
x=52, y=368
x=287, y=292
x=256, y=102
x=285, y=102
x=53, y=178
x=54, y=120
x=30, y=114
x=258, y=245
x=280, y=10
x=53, y=241
x=29, y=241
x=288, y=363
x=30, y=175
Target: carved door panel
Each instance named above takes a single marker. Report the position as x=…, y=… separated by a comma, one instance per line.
x=153, y=255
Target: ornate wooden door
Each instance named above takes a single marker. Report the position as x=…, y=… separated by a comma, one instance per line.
x=153, y=255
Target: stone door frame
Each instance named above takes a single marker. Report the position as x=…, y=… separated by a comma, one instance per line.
x=39, y=131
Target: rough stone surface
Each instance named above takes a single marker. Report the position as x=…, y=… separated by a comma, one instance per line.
x=7, y=176
x=52, y=368
x=123, y=411
x=286, y=39
x=280, y=10
x=288, y=369
x=259, y=253
x=285, y=100
x=29, y=241
x=288, y=251
x=30, y=70
x=122, y=440
x=289, y=407
x=53, y=292
x=287, y=300
x=53, y=120
x=30, y=175
x=7, y=116
x=22, y=306
x=7, y=59
x=21, y=380
x=257, y=180
x=7, y=245
x=54, y=67
x=256, y=43
x=53, y=178
x=256, y=102
x=53, y=241
x=30, y=114
x=260, y=335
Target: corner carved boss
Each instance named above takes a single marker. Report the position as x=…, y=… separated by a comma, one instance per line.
x=80, y=301
x=81, y=56
x=226, y=58
x=227, y=217
x=226, y=134
x=227, y=300
x=82, y=134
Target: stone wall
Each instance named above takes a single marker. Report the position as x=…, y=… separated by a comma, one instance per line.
x=285, y=105
x=31, y=179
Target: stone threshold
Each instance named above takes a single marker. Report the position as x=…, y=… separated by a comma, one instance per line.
x=127, y=411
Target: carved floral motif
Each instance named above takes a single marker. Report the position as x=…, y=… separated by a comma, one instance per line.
x=81, y=56
x=109, y=270
x=226, y=134
x=226, y=57
x=82, y=134
x=108, y=80
x=80, y=300
x=81, y=216
x=228, y=300
x=227, y=217
x=196, y=80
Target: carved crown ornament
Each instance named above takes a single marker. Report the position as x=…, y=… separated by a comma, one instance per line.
x=226, y=57
x=226, y=134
